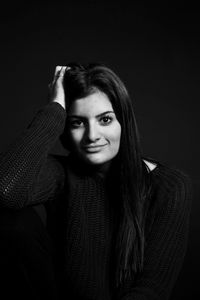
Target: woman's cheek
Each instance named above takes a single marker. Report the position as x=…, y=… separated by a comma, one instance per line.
x=76, y=136
x=115, y=132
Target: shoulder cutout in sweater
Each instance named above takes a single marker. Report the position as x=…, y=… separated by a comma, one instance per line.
x=151, y=166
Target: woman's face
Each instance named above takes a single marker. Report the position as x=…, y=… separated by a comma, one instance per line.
x=94, y=129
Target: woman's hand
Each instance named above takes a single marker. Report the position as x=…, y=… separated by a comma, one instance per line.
x=56, y=89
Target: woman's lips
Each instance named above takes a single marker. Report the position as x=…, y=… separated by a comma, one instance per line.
x=91, y=149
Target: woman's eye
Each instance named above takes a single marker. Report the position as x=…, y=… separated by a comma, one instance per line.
x=76, y=123
x=106, y=120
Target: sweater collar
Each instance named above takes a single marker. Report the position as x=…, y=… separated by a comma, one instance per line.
x=82, y=168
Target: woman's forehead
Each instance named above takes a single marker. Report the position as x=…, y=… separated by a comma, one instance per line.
x=93, y=104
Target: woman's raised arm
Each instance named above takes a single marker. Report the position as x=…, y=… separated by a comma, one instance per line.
x=28, y=174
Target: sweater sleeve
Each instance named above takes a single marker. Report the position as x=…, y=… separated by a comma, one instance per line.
x=166, y=238
x=28, y=173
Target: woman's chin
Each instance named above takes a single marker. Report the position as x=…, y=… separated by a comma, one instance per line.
x=94, y=161
x=95, y=158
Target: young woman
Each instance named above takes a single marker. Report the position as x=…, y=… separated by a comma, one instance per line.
x=100, y=223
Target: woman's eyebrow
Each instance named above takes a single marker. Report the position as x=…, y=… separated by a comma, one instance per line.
x=104, y=113
x=97, y=116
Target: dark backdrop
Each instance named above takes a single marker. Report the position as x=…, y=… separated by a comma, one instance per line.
x=153, y=47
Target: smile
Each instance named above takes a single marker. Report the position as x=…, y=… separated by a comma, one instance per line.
x=91, y=149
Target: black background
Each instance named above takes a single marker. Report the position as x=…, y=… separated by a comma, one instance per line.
x=153, y=47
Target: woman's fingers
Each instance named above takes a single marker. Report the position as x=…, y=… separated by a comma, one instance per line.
x=60, y=71
x=56, y=90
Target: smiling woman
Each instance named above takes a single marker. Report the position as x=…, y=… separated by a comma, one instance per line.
x=100, y=223
x=93, y=128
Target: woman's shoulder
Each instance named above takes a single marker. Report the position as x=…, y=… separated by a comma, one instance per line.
x=170, y=192
x=168, y=179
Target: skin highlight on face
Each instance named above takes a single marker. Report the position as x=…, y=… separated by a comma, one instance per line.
x=94, y=129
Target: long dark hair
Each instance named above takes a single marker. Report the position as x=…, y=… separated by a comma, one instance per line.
x=79, y=82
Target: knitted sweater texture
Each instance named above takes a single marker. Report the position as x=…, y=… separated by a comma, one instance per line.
x=30, y=175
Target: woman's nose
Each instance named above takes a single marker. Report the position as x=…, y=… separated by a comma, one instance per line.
x=93, y=133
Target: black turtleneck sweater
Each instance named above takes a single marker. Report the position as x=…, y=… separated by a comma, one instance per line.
x=29, y=175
